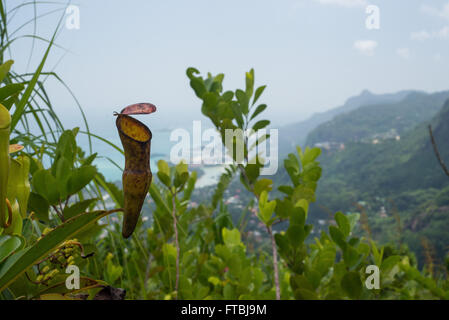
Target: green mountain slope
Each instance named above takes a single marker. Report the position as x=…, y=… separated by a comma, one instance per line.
x=380, y=121
x=295, y=134
x=392, y=180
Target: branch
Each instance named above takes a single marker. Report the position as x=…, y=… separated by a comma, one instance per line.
x=275, y=263
x=273, y=242
x=175, y=227
x=437, y=153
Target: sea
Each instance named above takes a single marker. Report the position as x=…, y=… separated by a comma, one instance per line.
x=110, y=162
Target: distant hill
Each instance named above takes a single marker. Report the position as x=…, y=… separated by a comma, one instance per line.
x=379, y=121
x=386, y=168
x=391, y=179
x=296, y=133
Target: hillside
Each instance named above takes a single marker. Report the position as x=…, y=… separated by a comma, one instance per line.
x=379, y=121
x=296, y=133
x=392, y=178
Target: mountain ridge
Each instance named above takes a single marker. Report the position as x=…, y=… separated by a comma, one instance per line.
x=296, y=133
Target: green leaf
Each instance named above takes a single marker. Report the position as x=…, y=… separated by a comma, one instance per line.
x=45, y=184
x=310, y=154
x=198, y=86
x=79, y=178
x=337, y=236
x=304, y=294
x=325, y=259
x=389, y=263
x=312, y=174
x=266, y=208
x=263, y=185
x=39, y=205
x=238, y=114
x=260, y=108
x=377, y=255
x=261, y=124
x=296, y=235
x=303, y=192
x=228, y=292
x=4, y=69
x=286, y=189
x=351, y=257
x=242, y=98
x=163, y=172
x=258, y=93
x=10, y=90
x=89, y=159
x=291, y=165
x=66, y=148
x=249, y=80
x=343, y=223
x=62, y=174
x=298, y=216
x=231, y=237
x=181, y=175
x=77, y=208
x=21, y=261
x=281, y=241
x=284, y=208
x=227, y=96
x=9, y=245
x=352, y=285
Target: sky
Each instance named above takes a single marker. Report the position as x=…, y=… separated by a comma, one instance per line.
x=311, y=54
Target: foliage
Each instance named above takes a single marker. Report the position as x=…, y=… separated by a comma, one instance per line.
x=183, y=250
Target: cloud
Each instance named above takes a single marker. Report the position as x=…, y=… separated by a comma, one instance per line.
x=404, y=53
x=366, y=47
x=345, y=3
x=425, y=35
x=442, y=13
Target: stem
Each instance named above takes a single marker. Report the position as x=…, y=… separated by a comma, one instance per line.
x=175, y=227
x=275, y=263
x=147, y=270
x=273, y=242
x=437, y=153
x=60, y=215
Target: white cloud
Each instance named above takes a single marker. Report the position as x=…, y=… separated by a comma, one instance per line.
x=366, y=47
x=345, y=3
x=403, y=53
x=442, y=13
x=424, y=35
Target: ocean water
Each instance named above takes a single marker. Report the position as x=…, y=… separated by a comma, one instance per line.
x=160, y=149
